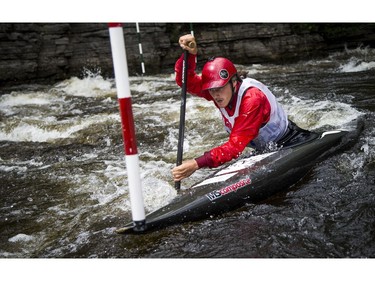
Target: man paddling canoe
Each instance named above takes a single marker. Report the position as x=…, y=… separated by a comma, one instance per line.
x=251, y=114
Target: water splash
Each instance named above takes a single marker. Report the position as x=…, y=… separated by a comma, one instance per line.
x=92, y=85
x=313, y=115
x=356, y=65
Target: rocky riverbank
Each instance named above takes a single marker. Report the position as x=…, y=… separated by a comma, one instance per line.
x=35, y=53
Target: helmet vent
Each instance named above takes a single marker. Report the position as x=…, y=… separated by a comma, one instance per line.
x=224, y=74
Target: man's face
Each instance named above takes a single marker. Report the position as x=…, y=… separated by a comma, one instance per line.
x=223, y=95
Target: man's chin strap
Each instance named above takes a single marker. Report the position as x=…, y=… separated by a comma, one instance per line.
x=233, y=92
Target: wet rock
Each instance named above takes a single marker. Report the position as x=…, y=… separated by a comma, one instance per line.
x=49, y=52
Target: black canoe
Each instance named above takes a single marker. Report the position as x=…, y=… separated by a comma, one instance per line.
x=247, y=180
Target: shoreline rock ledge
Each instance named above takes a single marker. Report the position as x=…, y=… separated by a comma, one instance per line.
x=44, y=53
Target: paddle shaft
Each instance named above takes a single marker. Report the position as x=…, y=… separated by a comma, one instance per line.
x=181, y=132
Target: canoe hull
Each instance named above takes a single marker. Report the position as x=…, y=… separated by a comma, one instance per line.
x=247, y=180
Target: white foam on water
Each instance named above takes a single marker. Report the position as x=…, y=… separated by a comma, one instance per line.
x=19, y=166
x=92, y=85
x=312, y=115
x=21, y=237
x=48, y=129
x=109, y=187
x=356, y=65
x=4, y=168
x=157, y=184
x=12, y=103
x=17, y=99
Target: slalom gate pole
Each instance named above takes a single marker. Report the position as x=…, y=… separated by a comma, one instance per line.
x=191, y=29
x=127, y=121
x=140, y=49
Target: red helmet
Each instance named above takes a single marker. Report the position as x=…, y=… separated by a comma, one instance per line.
x=217, y=72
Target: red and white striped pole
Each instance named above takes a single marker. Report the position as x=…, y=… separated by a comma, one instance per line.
x=128, y=131
x=140, y=49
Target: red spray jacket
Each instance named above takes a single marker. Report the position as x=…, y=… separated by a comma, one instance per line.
x=254, y=112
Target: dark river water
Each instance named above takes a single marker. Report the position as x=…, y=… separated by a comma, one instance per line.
x=64, y=179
